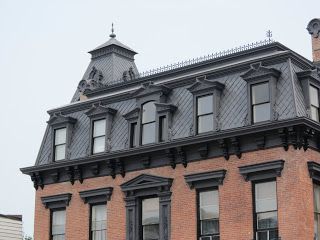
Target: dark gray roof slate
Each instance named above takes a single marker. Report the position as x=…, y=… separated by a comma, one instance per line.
x=233, y=109
x=110, y=42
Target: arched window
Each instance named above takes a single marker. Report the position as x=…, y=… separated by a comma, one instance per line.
x=148, y=123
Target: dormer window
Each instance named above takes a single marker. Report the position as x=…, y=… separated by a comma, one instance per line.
x=260, y=102
x=99, y=136
x=60, y=142
x=314, y=103
x=61, y=128
x=204, y=113
x=206, y=103
x=261, y=90
x=101, y=118
x=148, y=123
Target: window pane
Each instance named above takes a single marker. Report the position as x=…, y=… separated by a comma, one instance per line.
x=209, y=227
x=266, y=196
x=163, y=129
x=58, y=237
x=260, y=93
x=99, y=212
x=98, y=217
x=261, y=112
x=317, y=226
x=58, y=222
x=133, y=137
x=314, y=113
x=205, y=123
x=151, y=232
x=316, y=197
x=99, y=235
x=60, y=152
x=209, y=205
x=262, y=235
x=148, y=133
x=99, y=128
x=150, y=211
x=267, y=220
x=314, y=96
x=148, y=112
x=60, y=136
x=205, y=105
x=98, y=144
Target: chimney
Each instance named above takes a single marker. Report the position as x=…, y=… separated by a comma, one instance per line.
x=314, y=29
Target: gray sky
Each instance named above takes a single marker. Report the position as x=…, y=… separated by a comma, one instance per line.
x=43, y=55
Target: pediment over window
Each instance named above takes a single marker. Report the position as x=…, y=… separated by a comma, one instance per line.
x=262, y=171
x=165, y=107
x=202, y=84
x=101, y=195
x=146, y=181
x=257, y=71
x=314, y=170
x=58, y=119
x=56, y=201
x=98, y=109
x=205, y=179
x=310, y=74
x=133, y=114
x=150, y=88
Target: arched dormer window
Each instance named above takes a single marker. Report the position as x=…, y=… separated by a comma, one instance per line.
x=148, y=123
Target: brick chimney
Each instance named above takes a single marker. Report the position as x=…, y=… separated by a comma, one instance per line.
x=314, y=29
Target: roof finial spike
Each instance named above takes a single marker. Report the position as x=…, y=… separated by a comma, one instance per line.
x=269, y=35
x=112, y=35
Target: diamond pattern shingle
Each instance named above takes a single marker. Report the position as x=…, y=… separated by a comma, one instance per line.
x=232, y=112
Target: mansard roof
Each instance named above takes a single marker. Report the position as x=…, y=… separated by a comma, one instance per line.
x=224, y=72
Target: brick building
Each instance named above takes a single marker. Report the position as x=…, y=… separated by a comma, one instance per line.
x=221, y=147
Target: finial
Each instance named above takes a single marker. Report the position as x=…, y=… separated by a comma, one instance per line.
x=269, y=35
x=112, y=35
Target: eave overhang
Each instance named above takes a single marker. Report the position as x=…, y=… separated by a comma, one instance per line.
x=306, y=126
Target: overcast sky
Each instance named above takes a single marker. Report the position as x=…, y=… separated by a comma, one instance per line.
x=43, y=55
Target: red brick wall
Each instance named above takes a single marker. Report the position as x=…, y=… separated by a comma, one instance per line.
x=316, y=49
x=294, y=189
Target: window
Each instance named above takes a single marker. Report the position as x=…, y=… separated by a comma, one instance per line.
x=99, y=136
x=316, y=200
x=162, y=128
x=208, y=224
x=205, y=114
x=148, y=123
x=260, y=100
x=98, y=222
x=150, y=219
x=314, y=102
x=58, y=222
x=60, y=140
x=266, y=213
x=133, y=134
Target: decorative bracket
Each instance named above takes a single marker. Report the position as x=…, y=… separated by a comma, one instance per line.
x=182, y=155
x=37, y=180
x=224, y=146
x=111, y=167
x=170, y=155
x=235, y=142
x=284, y=138
x=120, y=166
